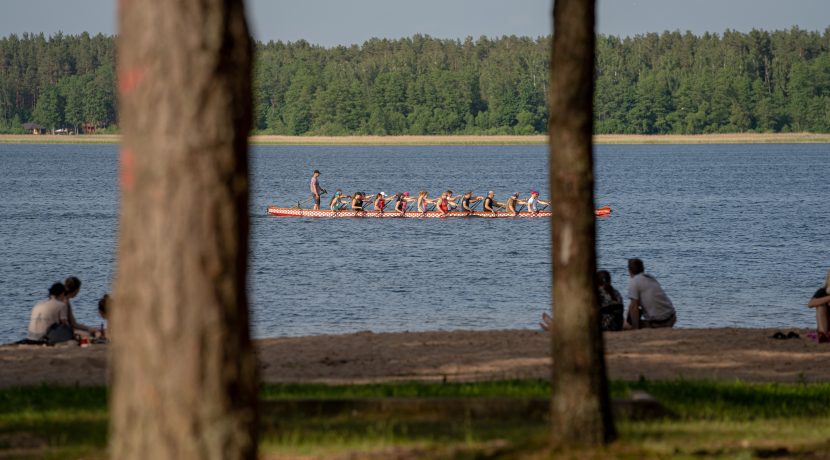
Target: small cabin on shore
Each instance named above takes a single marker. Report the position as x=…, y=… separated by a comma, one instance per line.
x=34, y=128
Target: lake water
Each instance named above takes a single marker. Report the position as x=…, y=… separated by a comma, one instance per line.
x=736, y=234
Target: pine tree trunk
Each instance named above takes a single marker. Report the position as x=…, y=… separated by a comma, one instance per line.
x=183, y=371
x=580, y=406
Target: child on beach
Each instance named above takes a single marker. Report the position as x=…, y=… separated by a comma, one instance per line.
x=821, y=302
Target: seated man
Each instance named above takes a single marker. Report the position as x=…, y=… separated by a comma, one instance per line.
x=47, y=313
x=468, y=199
x=650, y=307
x=490, y=204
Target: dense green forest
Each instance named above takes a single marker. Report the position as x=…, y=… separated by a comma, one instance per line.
x=648, y=84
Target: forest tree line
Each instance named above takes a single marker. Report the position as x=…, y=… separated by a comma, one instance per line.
x=672, y=82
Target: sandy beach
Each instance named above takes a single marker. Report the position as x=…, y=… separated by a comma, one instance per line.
x=667, y=354
x=734, y=138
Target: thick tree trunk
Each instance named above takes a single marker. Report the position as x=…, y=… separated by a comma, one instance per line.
x=580, y=407
x=183, y=370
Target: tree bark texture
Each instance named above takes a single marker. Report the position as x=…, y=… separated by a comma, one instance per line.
x=184, y=382
x=580, y=406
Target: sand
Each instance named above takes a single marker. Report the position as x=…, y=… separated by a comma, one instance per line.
x=667, y=354
x=734, y=138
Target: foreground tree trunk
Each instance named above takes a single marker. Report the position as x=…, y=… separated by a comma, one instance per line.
x=580, y=407
x=183, y=371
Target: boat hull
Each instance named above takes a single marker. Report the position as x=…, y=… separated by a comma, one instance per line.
x=277, y=211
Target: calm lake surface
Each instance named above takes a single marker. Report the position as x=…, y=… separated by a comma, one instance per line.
x=738, y=235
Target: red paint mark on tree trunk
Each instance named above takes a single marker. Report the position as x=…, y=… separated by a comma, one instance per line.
x=127, y=168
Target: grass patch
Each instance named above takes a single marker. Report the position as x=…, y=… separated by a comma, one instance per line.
x=715, y=420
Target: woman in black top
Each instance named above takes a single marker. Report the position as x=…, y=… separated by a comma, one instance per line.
x=821, y=302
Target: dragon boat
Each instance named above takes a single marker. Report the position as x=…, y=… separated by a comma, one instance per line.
x=301, y=212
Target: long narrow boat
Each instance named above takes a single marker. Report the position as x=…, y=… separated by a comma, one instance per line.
x=300, y=212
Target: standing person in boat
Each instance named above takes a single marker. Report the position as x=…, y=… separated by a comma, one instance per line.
x=339, y=201
x=534, y=200
x=467, y=200
x=490, y=204
x=315, y=189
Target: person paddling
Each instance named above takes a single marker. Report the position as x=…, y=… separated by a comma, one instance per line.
x=338, y=201
x=468, y=199
x=490, y=204
x=512, y=202
x=380, y=201
x=534, y=200
x=401, y=202
x=423, y=201
x=444, y=203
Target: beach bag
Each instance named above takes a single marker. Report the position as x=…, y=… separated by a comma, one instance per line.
x=58, y=333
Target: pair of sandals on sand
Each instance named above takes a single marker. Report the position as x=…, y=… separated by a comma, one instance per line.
x=782, y=336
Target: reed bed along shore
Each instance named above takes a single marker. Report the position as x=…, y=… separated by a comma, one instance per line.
x=735, y=138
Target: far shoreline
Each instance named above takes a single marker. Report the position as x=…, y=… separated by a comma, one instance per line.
x=600, y=139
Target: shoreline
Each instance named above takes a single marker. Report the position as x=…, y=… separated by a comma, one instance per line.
x=600, y=139
x=458, y=356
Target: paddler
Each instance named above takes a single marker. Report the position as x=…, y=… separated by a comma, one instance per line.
x=444, y=203
x=380, y=201
x=357, y=202
x=512, y=202
x=423, y=201
x=402, y=200
x=490, y=204
x=451, y=200
x=338, y=201
x=468, y=199
x=534, y=200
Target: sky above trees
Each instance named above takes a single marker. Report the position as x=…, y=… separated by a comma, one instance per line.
x=337, y=22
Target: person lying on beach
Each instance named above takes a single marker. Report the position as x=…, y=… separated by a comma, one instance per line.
x=47, y=314
x=821, y=302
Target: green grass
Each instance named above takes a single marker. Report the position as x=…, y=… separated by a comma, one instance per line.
x=715, y=420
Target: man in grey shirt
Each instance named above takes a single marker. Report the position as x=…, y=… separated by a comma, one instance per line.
x=48, y=312
x=650, y=307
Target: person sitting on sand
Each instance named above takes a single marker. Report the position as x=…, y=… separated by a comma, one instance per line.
x=73, y=287
x=650, y=307
x=821, y=302
x=103, y=309
x=48, y=313
x=610, y=305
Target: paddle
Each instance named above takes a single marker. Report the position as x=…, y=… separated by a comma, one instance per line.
x=300, y=203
